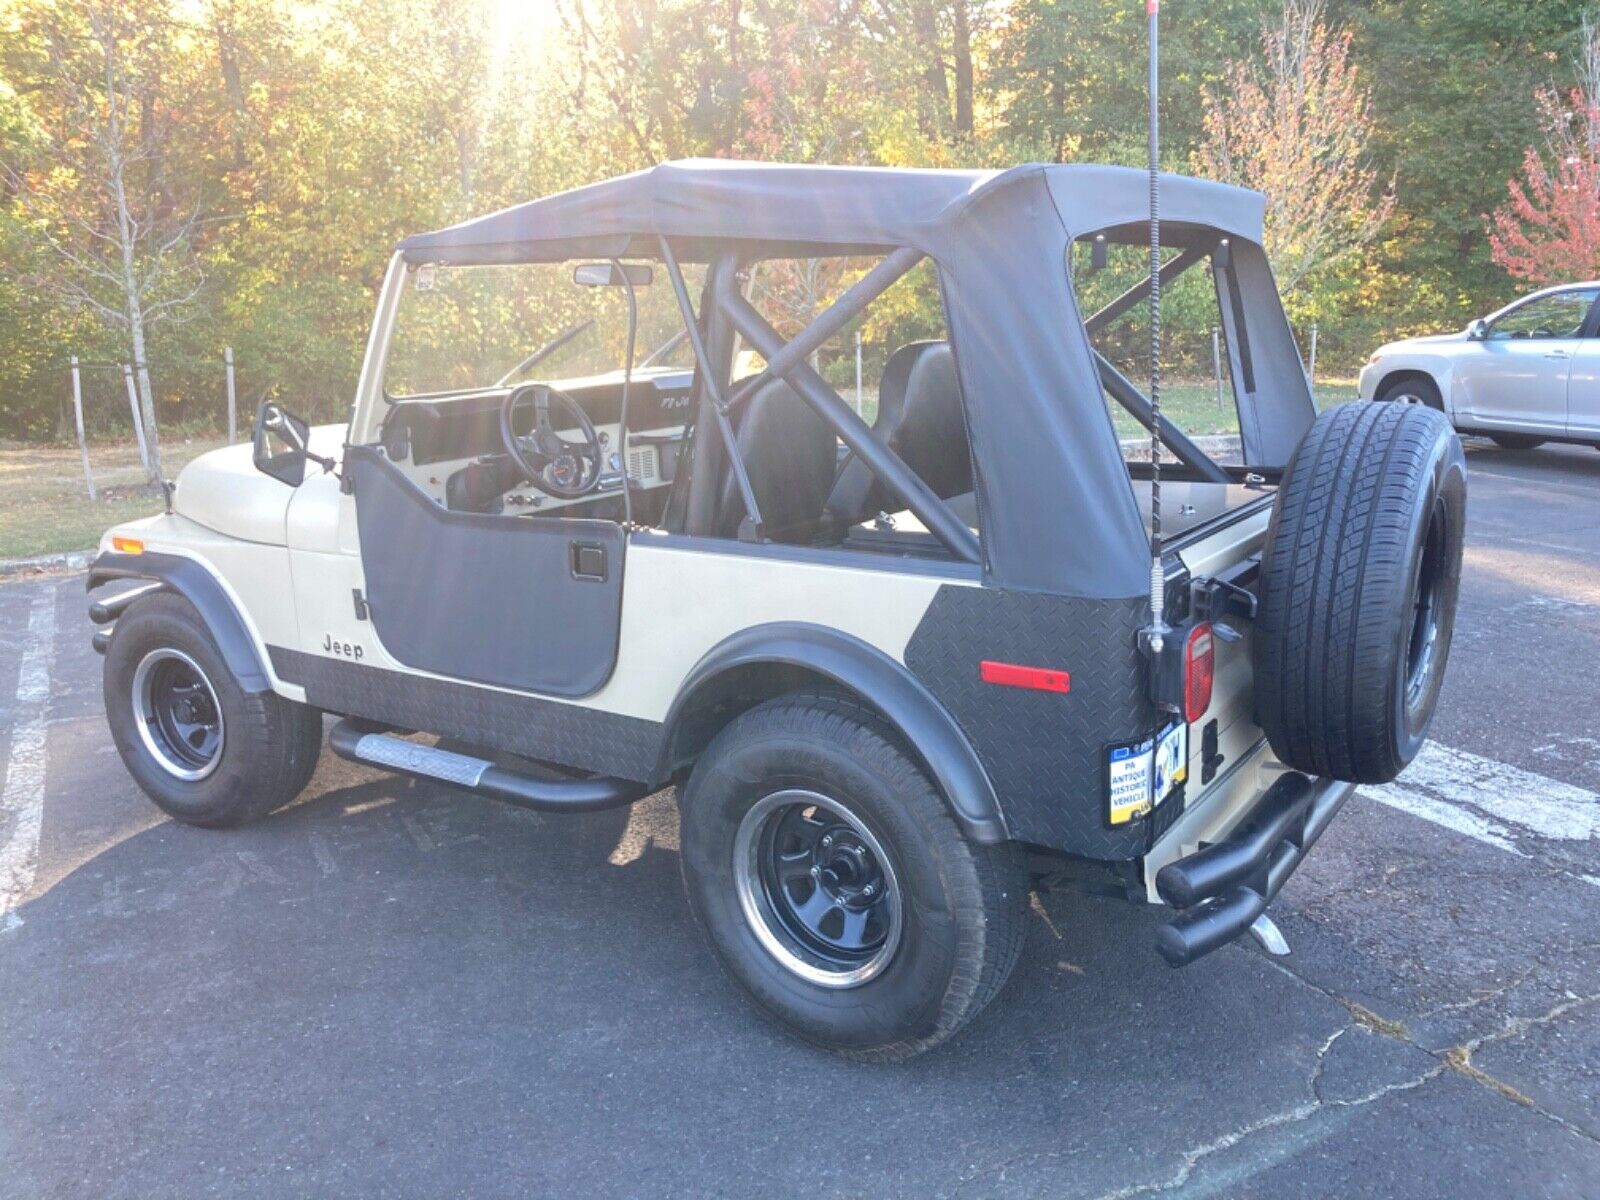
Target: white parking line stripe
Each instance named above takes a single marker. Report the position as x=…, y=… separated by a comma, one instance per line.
x=1490, y=801
x=22, y=803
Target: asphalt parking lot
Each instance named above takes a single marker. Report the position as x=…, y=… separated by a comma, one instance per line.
x=391, y=989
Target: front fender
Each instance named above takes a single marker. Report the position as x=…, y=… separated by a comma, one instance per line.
x=200, y=588
x=927, y=727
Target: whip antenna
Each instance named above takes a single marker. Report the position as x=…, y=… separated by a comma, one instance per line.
x=1158, y=625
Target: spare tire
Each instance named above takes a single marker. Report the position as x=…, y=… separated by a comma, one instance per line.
x=1359, y=579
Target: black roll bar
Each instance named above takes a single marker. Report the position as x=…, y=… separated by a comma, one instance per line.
x=1131, y=398
x=1139, y=293
x=831, y=320
x=712, y=388
x=883, y=462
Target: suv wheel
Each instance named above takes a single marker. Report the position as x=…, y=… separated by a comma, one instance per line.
x=204, y=750
x=836, y=889
x=1413, y=389
x=1515, y=441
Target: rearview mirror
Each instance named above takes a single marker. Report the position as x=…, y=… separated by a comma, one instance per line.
x=609, y=275
x=280, y=444
x=1478, y=330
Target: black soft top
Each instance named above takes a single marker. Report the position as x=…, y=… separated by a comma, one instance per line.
x=701, y=202
x=1056, y=505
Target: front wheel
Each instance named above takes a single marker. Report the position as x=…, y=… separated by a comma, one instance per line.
x=835, y=887
x=202, y=748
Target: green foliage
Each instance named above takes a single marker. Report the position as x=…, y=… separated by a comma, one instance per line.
x=314, y=137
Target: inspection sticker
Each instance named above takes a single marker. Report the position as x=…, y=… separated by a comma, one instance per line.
x=1130, y=767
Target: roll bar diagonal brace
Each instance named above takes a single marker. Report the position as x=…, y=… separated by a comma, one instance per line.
x=883, y=462
x=786, y=360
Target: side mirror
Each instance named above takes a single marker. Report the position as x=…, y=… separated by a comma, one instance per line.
x=1479, y=330
x=608, y=275
x=280, y=445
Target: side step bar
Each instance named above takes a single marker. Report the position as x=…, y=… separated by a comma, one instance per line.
x=1222, y=888
x=362, y=742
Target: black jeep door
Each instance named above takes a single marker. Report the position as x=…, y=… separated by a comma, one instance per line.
x=515, y=602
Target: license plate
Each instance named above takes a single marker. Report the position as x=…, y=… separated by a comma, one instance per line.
x=1141, y=777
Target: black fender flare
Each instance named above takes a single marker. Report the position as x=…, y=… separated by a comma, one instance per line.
x=196, y=584
x=902, y=699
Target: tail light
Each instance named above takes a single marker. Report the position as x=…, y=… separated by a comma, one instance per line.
x=1199, y=671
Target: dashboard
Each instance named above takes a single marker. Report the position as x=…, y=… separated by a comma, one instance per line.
x=449, y=444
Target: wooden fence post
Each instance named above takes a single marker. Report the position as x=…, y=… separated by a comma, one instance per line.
x=233, y=403
x=1216, y=362
x=77, y=412
x=138, y=424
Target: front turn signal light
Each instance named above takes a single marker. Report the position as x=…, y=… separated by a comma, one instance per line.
x=127, y=545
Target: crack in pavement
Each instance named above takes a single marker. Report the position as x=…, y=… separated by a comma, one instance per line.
x=1457, y=1059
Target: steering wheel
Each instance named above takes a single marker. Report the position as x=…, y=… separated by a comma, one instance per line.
x=557, y=467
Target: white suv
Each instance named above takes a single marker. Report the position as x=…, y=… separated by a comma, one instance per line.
x=1527, y=374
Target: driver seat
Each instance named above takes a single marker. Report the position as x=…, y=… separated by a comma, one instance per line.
x=790, y=454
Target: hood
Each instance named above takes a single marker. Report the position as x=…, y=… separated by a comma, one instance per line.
x=223, y=491
x=1424, y=343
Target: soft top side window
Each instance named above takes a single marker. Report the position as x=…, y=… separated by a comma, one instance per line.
x=1198, y=393
x=893, y=365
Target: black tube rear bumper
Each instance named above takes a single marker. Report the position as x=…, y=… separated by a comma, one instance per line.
x=1223, y=887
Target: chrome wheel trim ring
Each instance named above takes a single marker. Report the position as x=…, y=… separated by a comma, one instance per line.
x=748, y=848
x=147, y=718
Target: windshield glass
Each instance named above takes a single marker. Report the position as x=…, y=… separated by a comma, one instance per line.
x=464, y=329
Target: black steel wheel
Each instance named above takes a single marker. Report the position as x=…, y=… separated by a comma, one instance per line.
x=179, y=719
x=202, y=748
x=835, y=886
x=818, y=888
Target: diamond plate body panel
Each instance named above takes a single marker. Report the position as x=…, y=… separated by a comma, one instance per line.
x=569, y=735
x=1045, y=752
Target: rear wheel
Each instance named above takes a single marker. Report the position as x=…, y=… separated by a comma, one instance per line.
x=202, y=748
x=1515, y=441
x=835, y=887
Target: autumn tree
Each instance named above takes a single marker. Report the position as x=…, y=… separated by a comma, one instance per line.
x=1297, y=125
x=1548, y=231
x=94, y=180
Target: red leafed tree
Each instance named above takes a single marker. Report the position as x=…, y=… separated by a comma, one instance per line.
x=1297, y=126
x=1549, y=229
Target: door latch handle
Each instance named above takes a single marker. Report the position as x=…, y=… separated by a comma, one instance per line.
x=588, y=561
x=1557, y=354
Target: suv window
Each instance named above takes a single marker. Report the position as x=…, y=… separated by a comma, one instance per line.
x=464, y=328
x=1197, y=392
x=895, y=366
x=1557, y=316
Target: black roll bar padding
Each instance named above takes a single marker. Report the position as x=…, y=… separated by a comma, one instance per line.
x=1131, y=398
x=712, y=388
x=1140, y=292
x=883, y=462
x=832, y=319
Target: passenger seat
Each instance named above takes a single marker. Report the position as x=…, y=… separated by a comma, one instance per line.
x=920, y=419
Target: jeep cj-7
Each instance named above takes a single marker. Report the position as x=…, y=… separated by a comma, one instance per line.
x=600, y=525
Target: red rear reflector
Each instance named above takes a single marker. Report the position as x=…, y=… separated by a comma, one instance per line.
x=1199, y=672
x=1040, y=679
